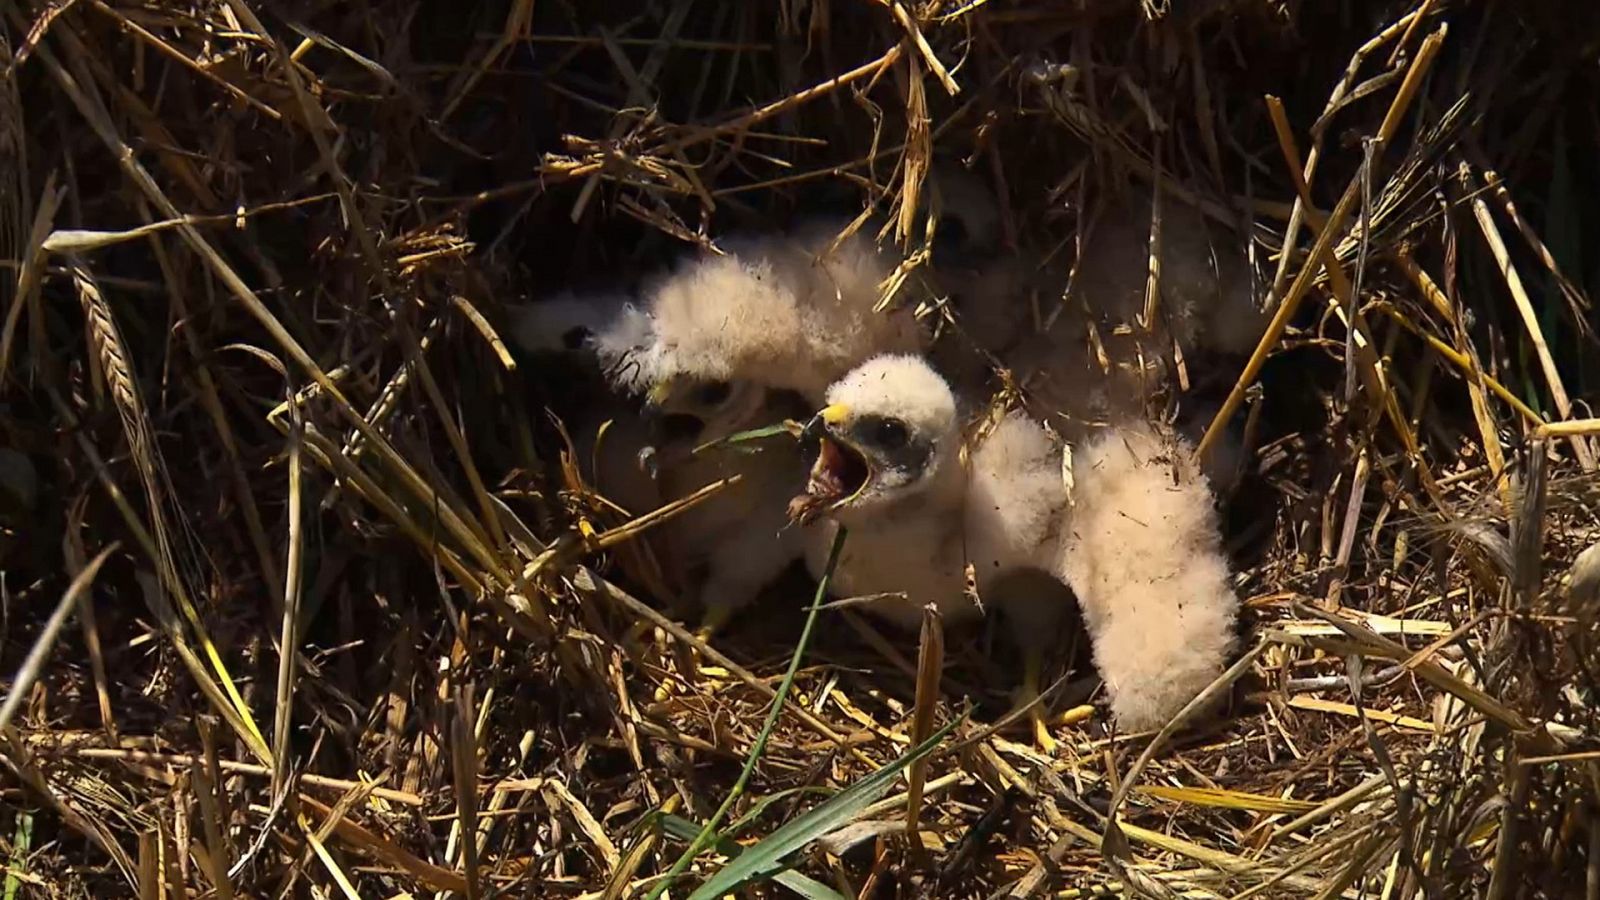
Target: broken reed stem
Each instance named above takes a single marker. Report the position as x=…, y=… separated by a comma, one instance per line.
x=464, y=763
x=708, y=831
x=288, y=637
x=930, y=673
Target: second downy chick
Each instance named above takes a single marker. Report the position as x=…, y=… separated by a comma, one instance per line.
x=731, y=545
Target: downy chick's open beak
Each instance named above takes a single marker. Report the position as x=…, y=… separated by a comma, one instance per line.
x=672, y=435
x=840, y=473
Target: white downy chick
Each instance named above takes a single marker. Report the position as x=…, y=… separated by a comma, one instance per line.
x=888, y=469
x=1142, y=551
x=732, y=544
x=1139, y=543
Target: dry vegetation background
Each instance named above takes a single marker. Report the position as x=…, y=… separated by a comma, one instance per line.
x=253, y=262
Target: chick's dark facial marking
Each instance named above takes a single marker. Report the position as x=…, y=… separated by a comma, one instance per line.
x=869, y=455
x=713, y=393
x=890, y=445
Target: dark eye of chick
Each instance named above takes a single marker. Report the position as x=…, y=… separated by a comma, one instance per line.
x=713, y=393
x=890, y=434
x=575, y=338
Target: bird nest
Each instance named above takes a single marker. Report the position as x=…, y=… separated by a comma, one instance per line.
x=254, y=261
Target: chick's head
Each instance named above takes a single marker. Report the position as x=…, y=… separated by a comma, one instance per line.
x=718, y=325
x=685, y=408
x=610, y=329
x=888, y=433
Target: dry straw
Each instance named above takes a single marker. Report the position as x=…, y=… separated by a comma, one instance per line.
x=353, y=620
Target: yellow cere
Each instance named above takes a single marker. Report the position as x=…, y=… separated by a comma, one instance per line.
x=835, y=413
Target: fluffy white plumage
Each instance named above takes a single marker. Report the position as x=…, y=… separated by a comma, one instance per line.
x=1015, y=497
x=1138, y=542
x=730, y=546
x=1142, y=550
x=798, y=310
x=889, y=470
x=903, y=387
x=1015, y=509
x=915, y=515
x=791, y=312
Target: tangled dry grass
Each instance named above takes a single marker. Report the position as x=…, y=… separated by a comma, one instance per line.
x=252, y=265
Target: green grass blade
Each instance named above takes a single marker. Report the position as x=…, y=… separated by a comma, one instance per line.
x=807, y=887
x=19, y=855
x=760, y=806
x=789, y=428
x=766, y=859
x=709, y=832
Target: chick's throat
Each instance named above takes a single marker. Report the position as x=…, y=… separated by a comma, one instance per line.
x=839, y=475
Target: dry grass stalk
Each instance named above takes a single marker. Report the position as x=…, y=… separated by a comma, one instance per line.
x=212, y=205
